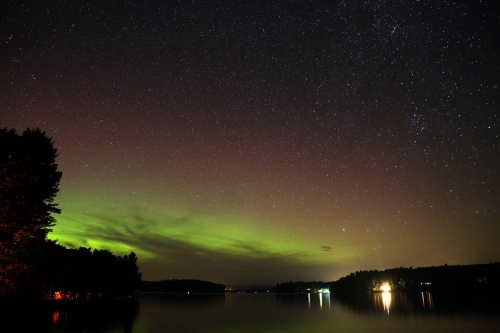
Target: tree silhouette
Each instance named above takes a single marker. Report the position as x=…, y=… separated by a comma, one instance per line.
x=29, y=182
x=83, y=271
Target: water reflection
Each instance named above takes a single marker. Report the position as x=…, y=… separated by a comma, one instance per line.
x=386, y=299
x=55, y=317
x=412, y=303
x=326, y=297
x=383, y=301
x=196, y=300
x=380, y=312
x=312, y=301
x=291, y=313
x=70, y=316
x=427, y=296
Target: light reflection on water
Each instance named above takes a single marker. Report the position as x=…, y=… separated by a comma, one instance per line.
x=384, y=312
x=386, y=299
x=380, y=312
x=427, y=297
x=383, y=301
x=55, y=318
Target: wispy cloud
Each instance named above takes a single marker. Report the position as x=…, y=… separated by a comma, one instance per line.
x=175, y=254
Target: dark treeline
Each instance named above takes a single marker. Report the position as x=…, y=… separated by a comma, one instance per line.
x=32, y=266
x=182, y=286
x=256, y=290
x=55, y=268
x=83, y=271
x=483, y=277
x=301, y=287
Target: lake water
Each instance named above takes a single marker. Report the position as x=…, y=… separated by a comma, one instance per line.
x=275, y=313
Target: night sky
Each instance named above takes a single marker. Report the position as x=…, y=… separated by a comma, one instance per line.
x=256, y=142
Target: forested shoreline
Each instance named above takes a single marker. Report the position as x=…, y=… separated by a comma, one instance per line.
x=182, y=286
x=31, y=265
x=93, y=273
x=57, y=272
x=478, y=277
x=470, y=278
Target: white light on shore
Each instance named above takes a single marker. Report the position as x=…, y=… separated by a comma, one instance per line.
x=385, y=288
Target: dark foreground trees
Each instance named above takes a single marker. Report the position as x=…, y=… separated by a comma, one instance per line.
x=83, y=271
x=29, y=182
x=30, y=264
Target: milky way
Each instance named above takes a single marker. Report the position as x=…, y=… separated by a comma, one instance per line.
x=248, y=142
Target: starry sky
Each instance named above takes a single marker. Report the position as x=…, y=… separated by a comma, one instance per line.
x=256, y=142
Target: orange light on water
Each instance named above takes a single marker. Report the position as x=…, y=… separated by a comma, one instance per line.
x=55, y=317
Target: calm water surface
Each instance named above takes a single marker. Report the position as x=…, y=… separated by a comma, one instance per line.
x=273, y=313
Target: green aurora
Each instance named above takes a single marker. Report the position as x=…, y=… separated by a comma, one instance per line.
x=251, y=143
